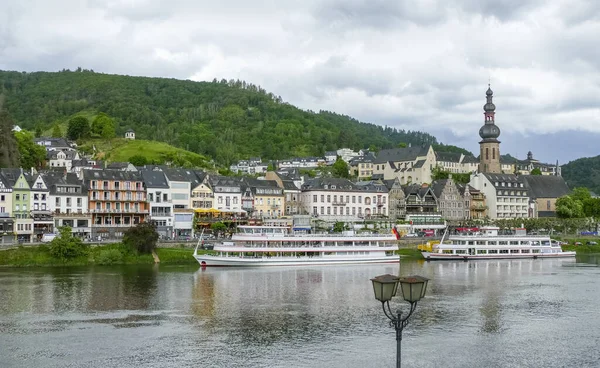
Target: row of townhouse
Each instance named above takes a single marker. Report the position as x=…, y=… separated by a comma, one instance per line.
x=104, y=203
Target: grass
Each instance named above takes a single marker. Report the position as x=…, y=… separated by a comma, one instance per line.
x=121, y=150
x=40, y=256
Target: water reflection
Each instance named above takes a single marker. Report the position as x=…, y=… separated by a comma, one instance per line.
x=521, y=313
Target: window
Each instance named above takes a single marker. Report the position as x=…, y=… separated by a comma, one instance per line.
x=17, y=197
x=487, y=153
x=314, y=198
x=79, y=202
x=328, y=198
x=322, y=198
x=548, y=205
x=57, y=201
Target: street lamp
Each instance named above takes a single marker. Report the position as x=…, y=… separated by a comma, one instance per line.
x=413, y=289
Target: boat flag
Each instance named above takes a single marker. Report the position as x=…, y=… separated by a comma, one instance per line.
x=395, y=232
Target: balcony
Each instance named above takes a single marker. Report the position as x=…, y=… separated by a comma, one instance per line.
x=120, y=210
x=421, y=203
x=478, y=207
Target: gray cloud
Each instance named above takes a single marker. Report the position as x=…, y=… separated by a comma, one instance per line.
x=420, y=65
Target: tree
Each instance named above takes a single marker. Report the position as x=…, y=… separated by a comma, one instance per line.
x=217, y=227
x=581, y=194
x=79, y=127
x=103, y=126
x=32, y=154
x=9, y=149
x=141, y=238
x=56, y=132
x=402, y=145
x=536, y=171
x=338, y=227
x=567, y=207
x=340, y=169
x=138, y=160
x=65, y=246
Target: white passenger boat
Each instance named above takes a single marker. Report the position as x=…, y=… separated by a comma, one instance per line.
x=489, y=245
x=279, y=246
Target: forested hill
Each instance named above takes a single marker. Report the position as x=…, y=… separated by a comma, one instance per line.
x=227, y=120
x=583, y=172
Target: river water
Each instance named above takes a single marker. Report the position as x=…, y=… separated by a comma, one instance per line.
x=519, y=313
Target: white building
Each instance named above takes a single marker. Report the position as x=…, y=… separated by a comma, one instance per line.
x=252, y=166
x=347, y=154
x=130, y=134
x=158, y=195
x=180, y=185
x=408, y=164
x=332, y=199
x=62, y=159
x=228, y=194
x=506, y=195
x=68, y=202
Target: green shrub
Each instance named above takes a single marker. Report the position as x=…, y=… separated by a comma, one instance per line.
x=109, y=257
x=66, y=246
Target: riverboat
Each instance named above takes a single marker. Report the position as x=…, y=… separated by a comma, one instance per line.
x=281, y=246
x=488, y=244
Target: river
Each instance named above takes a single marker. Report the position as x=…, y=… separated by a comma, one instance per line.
x=519, y=313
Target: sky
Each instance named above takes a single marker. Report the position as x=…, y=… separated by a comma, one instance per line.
x=411, y=64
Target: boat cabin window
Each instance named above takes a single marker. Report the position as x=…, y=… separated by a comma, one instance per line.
x=447, y=251
x=492, y=242
x=481, y=251
x=480, y=242
x=535, y=251
x=524, y=250
x=461, y=251
x=471, y=242
x=493, y=251
x=535, y=242
x=513, y=251
x=503, y=251
x=514, y=242
x=502, y=242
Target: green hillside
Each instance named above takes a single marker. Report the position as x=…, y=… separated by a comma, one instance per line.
x=224, y=120
x=121, y=150
x=583, y=172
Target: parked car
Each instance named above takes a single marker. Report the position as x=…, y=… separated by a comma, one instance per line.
x=577, y=243
x=411, y=235
x=591, y=243
x=47, y=238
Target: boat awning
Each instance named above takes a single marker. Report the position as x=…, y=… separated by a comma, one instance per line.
x=207, y=210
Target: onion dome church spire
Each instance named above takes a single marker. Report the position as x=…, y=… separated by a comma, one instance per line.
x=489, y=130
x=489, y=159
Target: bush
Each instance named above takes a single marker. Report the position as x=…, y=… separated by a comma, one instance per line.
x=142, y=237
x=66, y=246
x=109, y=257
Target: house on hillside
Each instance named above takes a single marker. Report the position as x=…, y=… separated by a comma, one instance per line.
x=408, y=164
x=130, y=134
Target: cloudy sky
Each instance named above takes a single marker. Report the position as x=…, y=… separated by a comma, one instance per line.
x=411, y=64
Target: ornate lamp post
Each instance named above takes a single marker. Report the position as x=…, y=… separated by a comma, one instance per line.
x=413, y=289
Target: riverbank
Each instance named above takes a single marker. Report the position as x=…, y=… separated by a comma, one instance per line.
x=110, y=254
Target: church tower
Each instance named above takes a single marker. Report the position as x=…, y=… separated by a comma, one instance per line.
x=489, y=155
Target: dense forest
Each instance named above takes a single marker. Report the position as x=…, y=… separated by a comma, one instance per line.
x=583, y=172
x=226, y=120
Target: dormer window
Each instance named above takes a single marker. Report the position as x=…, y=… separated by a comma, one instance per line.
x=333, y=187
x=496, y=184
x=325, y=186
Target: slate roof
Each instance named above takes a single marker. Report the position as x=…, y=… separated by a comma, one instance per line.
x=438, y=186
x=419, y=164
x=184, y=175
x=401, y=154
x=112, y=175
x=289, y=185
x=546, y=186
x=372, y=186
x=469, y=159
x=118, y=165
x=416, y=189
x=507, y=178
x=338, y=183
x=448, y=156
x=154, y=179
x=54, y=179
x=11, y=175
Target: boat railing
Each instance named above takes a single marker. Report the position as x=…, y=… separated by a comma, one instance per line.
x=324, y=235
x=501, y=236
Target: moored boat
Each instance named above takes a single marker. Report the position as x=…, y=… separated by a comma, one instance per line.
x=280, y=246
x=488, y=244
